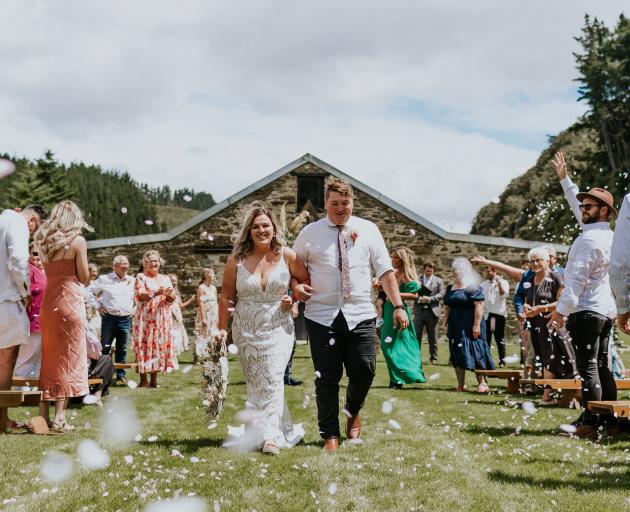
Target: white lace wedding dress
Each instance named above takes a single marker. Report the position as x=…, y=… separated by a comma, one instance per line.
x=263, y=333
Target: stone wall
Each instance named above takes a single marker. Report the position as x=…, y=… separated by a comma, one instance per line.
x=208, y=244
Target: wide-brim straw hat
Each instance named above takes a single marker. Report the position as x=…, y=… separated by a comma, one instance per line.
x=600, y=195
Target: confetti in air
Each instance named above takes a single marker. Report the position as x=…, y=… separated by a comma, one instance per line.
x=232, y=349
x=7, y=167
x=119, y=423
x=56, y=467
x=92, y=456
x=318, y=374
x=412, y=232
x=496, y=200
x=123, y=210
x=388, y=339
x=187, y=198
x=187, y=368
x=511, y=359
x=148, y=222
x=527, y=285
x=331, y=341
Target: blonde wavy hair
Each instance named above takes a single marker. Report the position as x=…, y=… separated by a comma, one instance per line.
x=406, y=255
x=65, y=223
x=242, y=240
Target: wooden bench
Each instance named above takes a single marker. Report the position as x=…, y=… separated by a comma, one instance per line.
x=569, y=389
x=623, y=384
x=34, y=383
x=618, y=408
x=513, y=377
x=20, y=398
x=124, y=366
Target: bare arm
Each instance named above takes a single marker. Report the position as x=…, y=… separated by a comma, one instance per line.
x=512, y=272
x=188, y=302
x=200, y=304
x=81, y=259
x=570, y=189
x=478, y=317
x=390, y=287
x=503, y=289
x=228, y=294
x=298, y=270
x=408, y=296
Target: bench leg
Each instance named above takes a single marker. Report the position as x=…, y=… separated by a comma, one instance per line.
x=514, y=385
x=567, y=396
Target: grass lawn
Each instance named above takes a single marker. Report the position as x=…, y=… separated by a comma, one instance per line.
x=454, y=451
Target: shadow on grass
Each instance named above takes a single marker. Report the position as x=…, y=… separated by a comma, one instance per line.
x=508, y=431
x=191, y=446
x=587, y=483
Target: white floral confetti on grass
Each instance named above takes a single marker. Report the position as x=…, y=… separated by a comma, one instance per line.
x=90, y=399
x=394, y=424
x=332, y=489
x=92, y=456
x=569, y=429
x=56, y=467
x=152, y=439
x=132, y=384
x=185, y=504
x=187, y=368
x=387, y=407
x=129, y=459
x=529, y=408
x=434, y=376
x=511, y=359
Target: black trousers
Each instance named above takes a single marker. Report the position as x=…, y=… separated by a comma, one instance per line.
x=353, y=349
x=288, y=371
x=425, y=319
x=499, y=333
x=590, y=334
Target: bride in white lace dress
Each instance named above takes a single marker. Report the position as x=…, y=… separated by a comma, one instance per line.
x=255, y=283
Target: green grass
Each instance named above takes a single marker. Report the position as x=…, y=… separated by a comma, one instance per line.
x=454, y=452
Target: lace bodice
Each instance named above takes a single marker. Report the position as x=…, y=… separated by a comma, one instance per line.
x=249, y=286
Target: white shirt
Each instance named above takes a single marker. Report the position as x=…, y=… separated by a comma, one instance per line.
x=586, y=281
x=114, y=294
x=14, y=279
x=316, y=245
x=620, y=259
x=495, y=302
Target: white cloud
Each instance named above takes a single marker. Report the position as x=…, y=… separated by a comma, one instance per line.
x=216, y=95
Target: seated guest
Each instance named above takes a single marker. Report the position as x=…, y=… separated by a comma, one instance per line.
x=555, y=353
x=466, y=330
x=495, y=290
x=153, y=321
x=114, y=295
x=30, y=356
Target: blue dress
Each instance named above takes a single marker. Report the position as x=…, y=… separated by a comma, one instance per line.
x=466, y=352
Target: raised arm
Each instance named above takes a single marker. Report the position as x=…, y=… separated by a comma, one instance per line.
x=620, y=266
x=227, y=299
x=570, y=189
x=512, y=272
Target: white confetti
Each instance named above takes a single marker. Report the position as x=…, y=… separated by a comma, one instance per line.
x=332, y=489
x=394, y=424
x=187, y=368
x=496, y=200
x=511, y=359
x=152, y=439
x=212, y=425
x=123, y=210
x=132, y=384
x=7, y=167
x=569, y=429
x=187, y=198
x=232, y=349
x=529, y=408
x=148, y=222
x=388, y=339
x=346, y=412
x=92, y=456
x=412, y=232
x=318, y=374
x=56, y=467
x=434, y=376
x=138, y=438
x=387, y=407
x=185, y=504
x=176, y=453
x=90, y=399
x=527, y=285
x=129, y=459
x=331, y=341
x=120, y=423
x=194, y=460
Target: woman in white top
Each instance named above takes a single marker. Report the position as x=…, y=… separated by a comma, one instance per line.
x=255, y=284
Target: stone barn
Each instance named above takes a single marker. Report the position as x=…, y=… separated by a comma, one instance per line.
x=204, y=240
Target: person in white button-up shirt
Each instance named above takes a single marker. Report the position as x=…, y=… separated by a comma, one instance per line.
x=15, y=228
x=341, y=316
x=113, y=294
x=587, y=299
x=620, y=266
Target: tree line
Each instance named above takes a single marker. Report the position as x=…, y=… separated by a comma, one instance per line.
x=115, y=205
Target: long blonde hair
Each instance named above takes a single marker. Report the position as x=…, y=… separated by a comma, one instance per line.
x=243, y=243
x=65, y=223
x=406, y=255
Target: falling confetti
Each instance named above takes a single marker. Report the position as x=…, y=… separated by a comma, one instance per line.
x=318, y=374
x=412, y=232
x=56, y=467
x=92, y=456
x=119, y=423
x=388, y=339
x=187, y=198
x=527, y=285
x=212, y=425
x=496, y=200
x=511, y=359
x=90, y=399
x=232, y=349
x=331, y=341
x=148, y=222
x=123, y=210
x=7, y=167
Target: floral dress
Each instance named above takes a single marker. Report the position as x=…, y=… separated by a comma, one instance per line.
x=153, y=325
x=180, y=336
x=211, y=307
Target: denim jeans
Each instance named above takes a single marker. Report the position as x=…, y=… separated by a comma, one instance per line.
x=116, y=328
x=356, y=350
x=590, y=335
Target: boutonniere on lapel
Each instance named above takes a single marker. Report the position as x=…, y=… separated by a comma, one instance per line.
x=354, y=235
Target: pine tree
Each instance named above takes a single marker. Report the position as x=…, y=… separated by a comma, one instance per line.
x=54, y=176
x=28, y=188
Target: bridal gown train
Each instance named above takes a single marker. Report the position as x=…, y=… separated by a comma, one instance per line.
x=264, y=335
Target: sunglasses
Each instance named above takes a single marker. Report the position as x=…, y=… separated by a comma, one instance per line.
x=588, y=207
x=34, y=253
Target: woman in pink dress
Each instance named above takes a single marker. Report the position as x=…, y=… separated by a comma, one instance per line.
x=153, y=321
x=64, y=369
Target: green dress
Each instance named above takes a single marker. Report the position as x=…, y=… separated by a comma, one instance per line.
x=401, y=348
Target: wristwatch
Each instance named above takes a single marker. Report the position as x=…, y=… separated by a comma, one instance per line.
x=400, y=306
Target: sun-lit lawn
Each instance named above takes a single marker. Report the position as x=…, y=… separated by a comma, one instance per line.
x=453, y=451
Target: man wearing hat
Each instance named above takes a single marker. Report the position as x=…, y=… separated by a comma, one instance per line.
x=587, y=302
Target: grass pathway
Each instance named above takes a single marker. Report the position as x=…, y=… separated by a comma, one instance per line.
x=454, y=451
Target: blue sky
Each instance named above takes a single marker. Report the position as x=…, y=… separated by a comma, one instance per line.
x=406, y=96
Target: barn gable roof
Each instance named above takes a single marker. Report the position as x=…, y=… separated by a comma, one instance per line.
x=308, y=158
